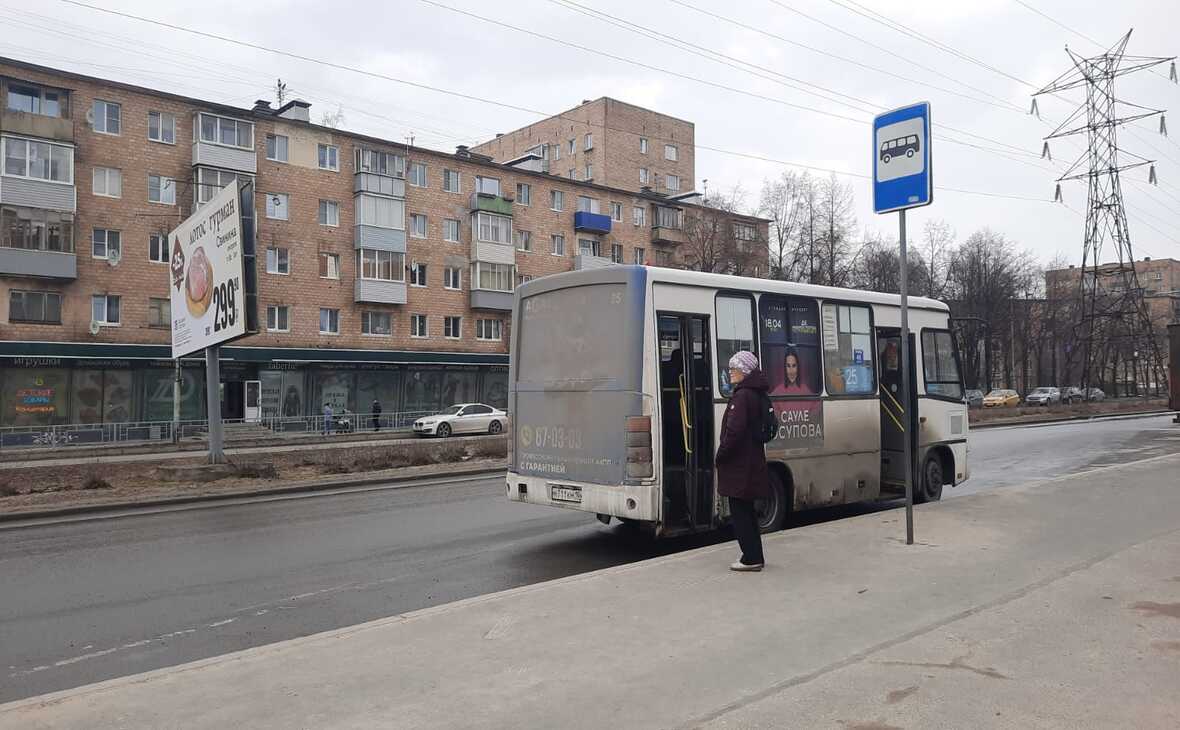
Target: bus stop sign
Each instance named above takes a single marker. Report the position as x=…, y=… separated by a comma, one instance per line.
x=902, y=177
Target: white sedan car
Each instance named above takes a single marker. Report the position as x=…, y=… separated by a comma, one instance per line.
x=462, y=418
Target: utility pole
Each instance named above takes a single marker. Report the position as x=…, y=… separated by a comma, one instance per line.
x=1113, y=308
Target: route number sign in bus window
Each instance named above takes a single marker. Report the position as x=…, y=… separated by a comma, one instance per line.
x=789, y=328
x=735, y=332
x=848, y=349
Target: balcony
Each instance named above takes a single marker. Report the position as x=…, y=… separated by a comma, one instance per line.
x=225, y=157
x=489, y=299
x=39, y=264
x=488, y=203
x=36, y=125
x=371, y=182
x=583, y=262
x=31, y=193
x=375, y=291
x=668, y=236
x=587, y=222
x=382, y=239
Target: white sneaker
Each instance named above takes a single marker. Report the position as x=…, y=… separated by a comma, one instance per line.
x=741, y=567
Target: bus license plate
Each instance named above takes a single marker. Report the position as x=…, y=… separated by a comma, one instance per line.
x=565, y=494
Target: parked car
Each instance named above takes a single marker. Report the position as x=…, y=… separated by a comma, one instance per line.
x=1072, y=395
x=1095, y=394
x=1043, y=396
x=973, y=398
x=462, y=418
x=1001, y=398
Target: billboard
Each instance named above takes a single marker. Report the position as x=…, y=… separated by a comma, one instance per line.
x=208, y=292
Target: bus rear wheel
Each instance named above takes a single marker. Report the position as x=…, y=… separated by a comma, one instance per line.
x=930, y=486
x=772, y=511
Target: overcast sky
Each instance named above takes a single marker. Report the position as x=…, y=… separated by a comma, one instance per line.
x=423, y=43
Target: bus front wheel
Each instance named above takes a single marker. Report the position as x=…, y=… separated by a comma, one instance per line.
x=931, y=480
x=772, y=511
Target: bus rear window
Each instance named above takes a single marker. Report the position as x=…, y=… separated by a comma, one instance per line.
x=572, y=335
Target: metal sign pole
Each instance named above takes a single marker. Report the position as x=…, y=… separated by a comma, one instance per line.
x=176, y=383
x=907, y=400
x=213, y=401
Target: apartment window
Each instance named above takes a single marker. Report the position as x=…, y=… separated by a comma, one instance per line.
x=161, y=190
x=417, y=274
x=276, y=147
x=573, y=146
x=1157, y=276
x=159, y=312
x=372, y=210
x=451, y=181
x=643, y=145
x=588, y=247
x=225, y=131
x=639, y=215
x=488, y=329
x=108, y=182
x=572, y=175
x=671, y=153
x=417, y=225
x=329, y=321
x=668, y=217
x=36, y=229
x=451, y=230
x=586, y=204
x=672, y=182
x=380, y=265
x=556, y=200
x=643, y=176
x=329, y=265
x=105, y=309
x=524, y=194
x=36, y=100
x=589, y=171
x=589, y=141
x=162, y=127
x=108, y=117
x=616, y=253
x=452, y=277
x=493, y=277
x=329, y=214
x=493, y=228
x=418, y=326
x=328, y=156
x=744, y=232
x=210, y=182
x=376, y=323
x=277, y=206
x=39, y=307
x=556, y=151
x=487, y=185
x=452, y=327
x=278, y=261
x=278, y=318
x=105, y=243
x=640, y=256
x=158, y=248
x=418, y=174
x=557, y=244
x=524, y=240
x=382, y=163
x=616, y=212
x=38, y=160
x=523, y=279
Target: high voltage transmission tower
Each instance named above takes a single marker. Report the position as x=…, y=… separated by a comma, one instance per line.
x=1114, y=323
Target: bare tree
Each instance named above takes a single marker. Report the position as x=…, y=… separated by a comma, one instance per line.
x=938, y=238
x=782, y=203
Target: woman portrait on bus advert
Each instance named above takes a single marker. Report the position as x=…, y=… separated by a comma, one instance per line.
x=793, y=378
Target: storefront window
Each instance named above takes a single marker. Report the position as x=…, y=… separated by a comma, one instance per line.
x=333, y=388
x=382, y=385
x=422, y=391
x=34, y=397
x=495, y=387
x=459, y=387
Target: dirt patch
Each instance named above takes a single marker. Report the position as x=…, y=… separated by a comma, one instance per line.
x=1153, y=609
x=1032, y=414
x=871, y=726
x=898, y=695
x=1167, y=646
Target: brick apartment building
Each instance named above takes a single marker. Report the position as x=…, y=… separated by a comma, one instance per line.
x=386, y=271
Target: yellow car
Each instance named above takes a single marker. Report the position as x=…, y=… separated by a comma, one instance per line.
x=1001, y=399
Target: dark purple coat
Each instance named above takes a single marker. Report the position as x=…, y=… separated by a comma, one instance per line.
x=741, y=459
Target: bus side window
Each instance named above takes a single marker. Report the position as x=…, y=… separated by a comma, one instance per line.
x=735, y=332
x=848, y=349
x=940, y=367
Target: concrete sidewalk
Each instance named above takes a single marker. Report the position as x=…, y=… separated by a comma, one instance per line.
x=1050, y=605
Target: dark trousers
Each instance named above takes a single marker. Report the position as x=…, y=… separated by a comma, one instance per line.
x=745, y=526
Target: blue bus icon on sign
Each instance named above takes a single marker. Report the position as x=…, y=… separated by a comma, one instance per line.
x=901, y=159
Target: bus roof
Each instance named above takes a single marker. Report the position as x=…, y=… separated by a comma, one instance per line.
x=728, y=282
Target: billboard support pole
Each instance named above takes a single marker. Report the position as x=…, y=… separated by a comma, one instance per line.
x=213, y=400
x=909, y=418
x=176, y=383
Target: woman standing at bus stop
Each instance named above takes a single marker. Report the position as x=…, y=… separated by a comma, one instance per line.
x=741, y=460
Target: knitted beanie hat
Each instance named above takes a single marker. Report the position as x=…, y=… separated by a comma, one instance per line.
x=744, y=361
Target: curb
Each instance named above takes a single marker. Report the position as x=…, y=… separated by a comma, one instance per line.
x=1068, y=419
x=274, y=491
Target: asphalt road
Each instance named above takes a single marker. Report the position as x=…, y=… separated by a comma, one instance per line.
x=87, y=600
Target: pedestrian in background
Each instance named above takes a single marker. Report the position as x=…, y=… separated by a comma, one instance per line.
x=376, y=415
x=327, y=419
x=741, y=459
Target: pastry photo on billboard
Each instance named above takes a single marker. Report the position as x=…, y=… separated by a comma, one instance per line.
x=198, y=283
